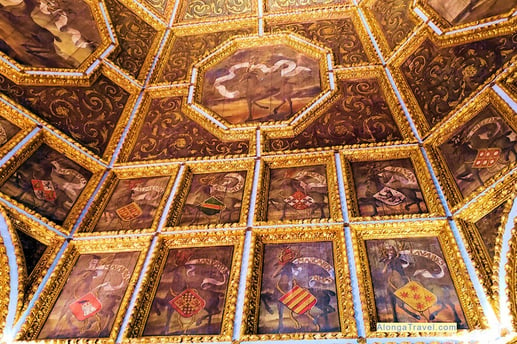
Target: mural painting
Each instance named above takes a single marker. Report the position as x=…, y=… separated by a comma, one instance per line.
x=90, y=298
x=214, y=198
x=488, y=227
x=268, y=83
x=385, y=188
x=48, y=183
x=192, y=291
x=412, y=283
x=298, y=193
x=133, y=204
x=46, y=33
x=479, y=149
x=467, y=11
x=298, y=290
x=7, y=131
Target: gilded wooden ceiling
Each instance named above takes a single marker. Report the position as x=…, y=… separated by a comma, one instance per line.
x=258, y=170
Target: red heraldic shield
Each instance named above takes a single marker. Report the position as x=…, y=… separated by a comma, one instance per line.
x=85, y=307
x=299, y=200
x=298, y=299
x=487, y=157
x=188, y=303
x=44, y=189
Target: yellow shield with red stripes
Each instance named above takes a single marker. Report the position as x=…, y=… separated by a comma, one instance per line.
x=298, y=299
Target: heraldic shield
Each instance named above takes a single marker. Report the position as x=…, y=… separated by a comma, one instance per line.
x=85, y=307
x=188, y=303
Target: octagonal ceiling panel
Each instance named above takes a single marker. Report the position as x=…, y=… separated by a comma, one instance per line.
x=270, y=80
x=56, y=35
x=462, y=14
x=263, y=84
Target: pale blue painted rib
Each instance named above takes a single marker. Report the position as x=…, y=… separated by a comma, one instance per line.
x=239, y=310
x=13, y=278
x=253, y=202
x=138, y=285
x=42, y=285
x=173, y=193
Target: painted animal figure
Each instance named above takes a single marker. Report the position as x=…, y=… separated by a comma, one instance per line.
x=306, y=185
x=262, y=82
x=395, y=185
x=399, y=272
x=182, y=279
x=286, y=275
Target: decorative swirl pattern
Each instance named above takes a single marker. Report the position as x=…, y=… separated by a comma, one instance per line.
x=88, y=114
x=195, y=9
x=359, y=115
x=339, y=34
x=186, y=50
x=441, y=79
x=394, y=19
x=158, y=5
x=168, y=134
x=134, y=36
x=278, y=5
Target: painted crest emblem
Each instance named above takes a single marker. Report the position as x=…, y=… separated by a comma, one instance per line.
x=416, y=296
x=212, y=206
x=298, y=299
x=44, y=189
x=85, y=307
x=188, y=303
x=390, y=196
x=299, y=200
x=129, y=212
x=487, y=157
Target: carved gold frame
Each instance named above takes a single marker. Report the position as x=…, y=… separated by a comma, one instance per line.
x=298, y=160
x=192, y=30
x=5, y=281
x=39, y=313
x=29, y=283
x=293, y=41
x=260, y=237
x=391, y=230
x=385, y=154
x=451, y=40
x=344, y=74
x=151, y=280
x=113, y=76
x=179, y=18
x=509, y=82
x=447, y=27
x=159, y=25
x=438, y=137
x=511, y=279
x=380, y=35
x=189, y=113
x=487, y=267
x=213, y=167
x=308, y=7
x=315, y=15
x=16, y=118
x=108, y=188
x=23, y=74
x=44, y=137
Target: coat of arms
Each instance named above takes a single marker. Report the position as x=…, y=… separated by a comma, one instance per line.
x=44, y=190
